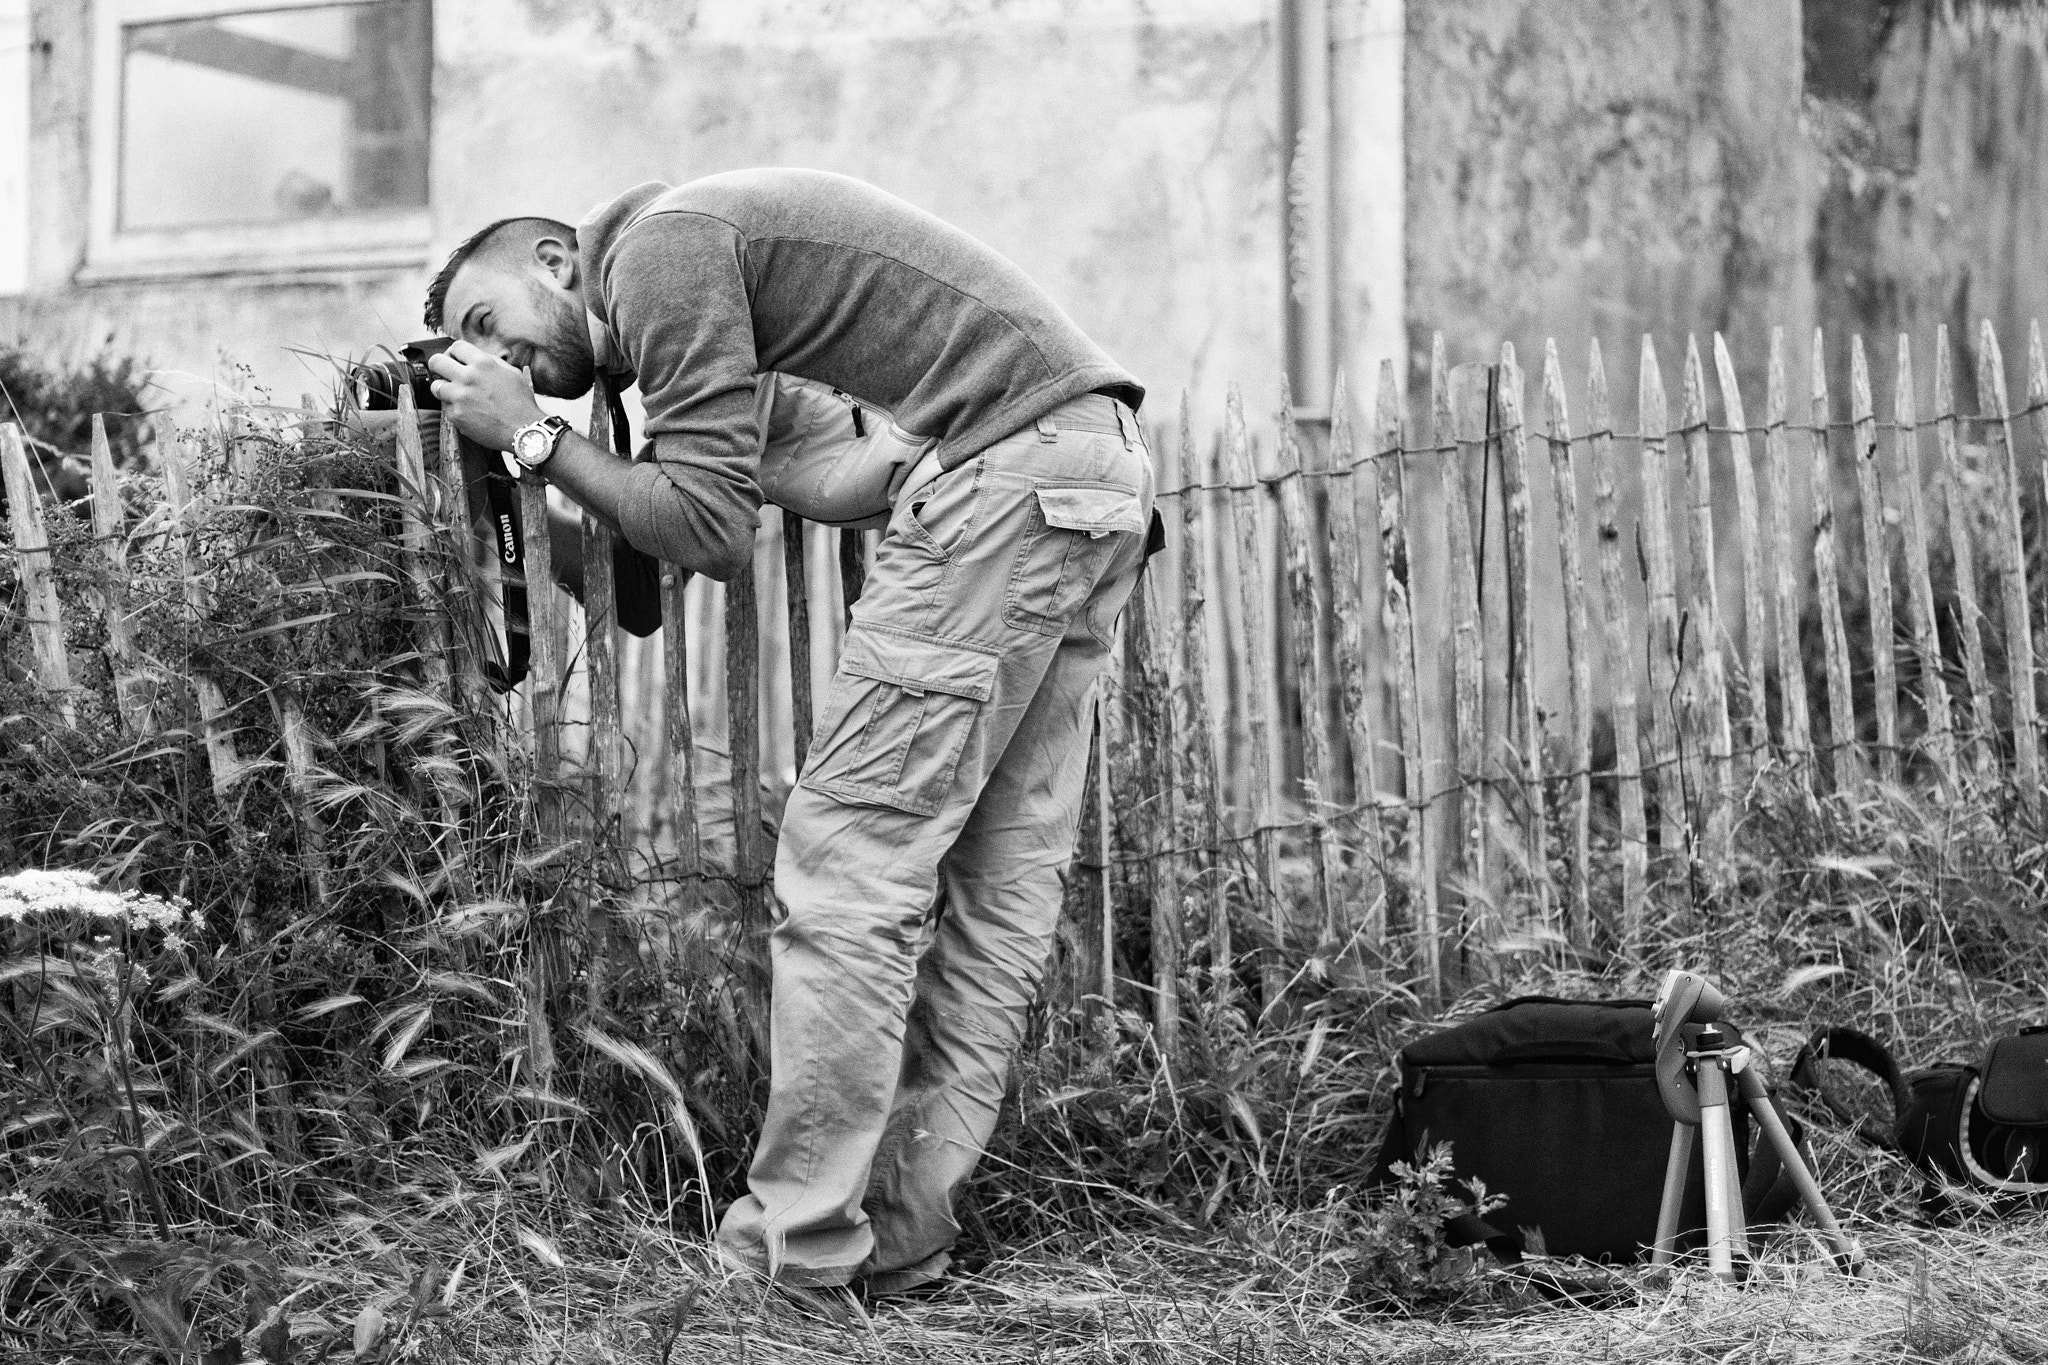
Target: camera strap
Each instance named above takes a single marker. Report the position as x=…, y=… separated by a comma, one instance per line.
x=636, y=575
x=512, y=554
x=481, y=469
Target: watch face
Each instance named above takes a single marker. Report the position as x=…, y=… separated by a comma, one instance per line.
x=531, y=445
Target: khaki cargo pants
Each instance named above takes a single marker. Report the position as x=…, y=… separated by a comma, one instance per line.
x=923, y=847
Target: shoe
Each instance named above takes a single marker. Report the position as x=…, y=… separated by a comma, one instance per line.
x=791, y=1277
x=926, y=1279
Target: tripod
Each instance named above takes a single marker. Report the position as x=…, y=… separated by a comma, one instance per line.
x=1700, y=1068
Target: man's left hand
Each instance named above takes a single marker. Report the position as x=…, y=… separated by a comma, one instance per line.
x=487, y=399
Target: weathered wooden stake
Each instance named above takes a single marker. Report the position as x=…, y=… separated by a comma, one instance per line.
x=1963, y=553
x=1251, y=587
x=109, y=530
x=1304, y=600
x=1716, y=741
x=1877, y=573
x=1653, y=552
x=1842, y=739
x=1197, y=757
x=1795, y=731
x=797, y=587
x=36, y=569
x=222, y=759
x=2019, y=632
x=853, y=570
x=1354, y=669
x=601, y=665
x=1150, y=725
x=1578, y=645
x=1525, y=735
x=1920, y=588
x=1468, y=681
x=743, y=737
x=1397, y=620
x=1621, y=663
x=1755, y=736
x=681, y=734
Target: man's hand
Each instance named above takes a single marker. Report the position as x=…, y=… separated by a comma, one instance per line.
x=487, y=399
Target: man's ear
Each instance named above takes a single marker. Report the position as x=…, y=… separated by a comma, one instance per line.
x=558, y=258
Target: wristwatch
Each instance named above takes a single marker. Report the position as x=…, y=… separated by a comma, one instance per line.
x=535, y=442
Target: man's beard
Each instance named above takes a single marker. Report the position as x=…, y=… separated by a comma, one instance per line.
x=563, y=366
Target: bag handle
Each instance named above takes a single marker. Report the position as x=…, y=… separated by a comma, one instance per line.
x=1853, y=1045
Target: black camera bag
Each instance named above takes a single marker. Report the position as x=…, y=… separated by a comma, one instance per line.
x=1554, y=1104
x=1982, y=1127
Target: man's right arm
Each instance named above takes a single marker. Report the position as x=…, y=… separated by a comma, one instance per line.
x=678, y=306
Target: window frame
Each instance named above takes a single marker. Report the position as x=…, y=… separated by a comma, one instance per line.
x=390, y=240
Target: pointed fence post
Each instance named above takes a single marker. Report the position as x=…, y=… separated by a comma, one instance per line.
x=1150, y=725
x=472, y=625
x=36, y=568
x=743, y=737
x=1842, y=739
x=1354, y=671
x=2037, y=396
x=547, y=634
x=109, y=530
x=1755, y=738
x=1197, y=759
x=2019, y=631
x=1920, y=588
x=1877, y=574
x=853, y=570
x=1397, y=622
x=1468, y=680
x=1653, y=548
x=1794, y=728
x=797, y=595
x=1251, y=587
x=1620, y=659
x=601, y=775
x=1305, y=603
x=1716, y=742
x=1963, y=554
x=1525, y=734
x=1578, y=645
x=222, y=759
x=681, y=735
x=1107, y=693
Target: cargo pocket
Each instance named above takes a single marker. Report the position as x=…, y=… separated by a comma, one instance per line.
x=898, y=717
x=1064, y=551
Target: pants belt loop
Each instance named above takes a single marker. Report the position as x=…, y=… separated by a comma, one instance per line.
x=1047, y=431
x=1123, y=428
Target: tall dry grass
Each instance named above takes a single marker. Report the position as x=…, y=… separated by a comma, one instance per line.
x=309, y=1122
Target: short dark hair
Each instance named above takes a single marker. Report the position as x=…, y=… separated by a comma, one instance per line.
x=484, y=239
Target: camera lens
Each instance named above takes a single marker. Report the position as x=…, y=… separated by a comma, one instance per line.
x=375, y=384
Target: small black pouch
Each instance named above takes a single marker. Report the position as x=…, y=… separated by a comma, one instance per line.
x=1984, y=1128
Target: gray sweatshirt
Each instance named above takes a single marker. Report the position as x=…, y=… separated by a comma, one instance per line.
x=707, y=285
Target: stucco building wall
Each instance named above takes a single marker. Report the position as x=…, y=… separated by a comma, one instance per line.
x=1123, y=153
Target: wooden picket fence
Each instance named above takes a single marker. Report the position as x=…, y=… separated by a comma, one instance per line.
x=1285, y=781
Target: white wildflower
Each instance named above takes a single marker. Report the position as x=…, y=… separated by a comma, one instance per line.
x=50, y=892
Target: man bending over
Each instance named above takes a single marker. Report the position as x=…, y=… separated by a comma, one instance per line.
x=922, y=847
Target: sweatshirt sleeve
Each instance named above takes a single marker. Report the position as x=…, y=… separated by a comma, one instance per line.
x=679, y=309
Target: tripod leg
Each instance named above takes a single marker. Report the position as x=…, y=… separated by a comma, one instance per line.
x=1717, y=1149
x=1752, y=1087
x=1675, y=1171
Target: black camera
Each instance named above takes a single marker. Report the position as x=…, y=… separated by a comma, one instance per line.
x=374, y=385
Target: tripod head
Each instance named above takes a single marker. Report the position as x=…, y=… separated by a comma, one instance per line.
x=1685, y=1004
